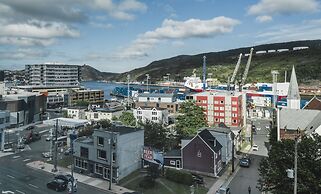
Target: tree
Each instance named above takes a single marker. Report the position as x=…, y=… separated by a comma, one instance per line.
x=105, y=123
x=128, y=119
x=272, y=170
x=191, y=118
x=82, y=103
x=155, y=135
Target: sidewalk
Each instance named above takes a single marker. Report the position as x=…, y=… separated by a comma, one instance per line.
x=227, y=177
x=95, y=182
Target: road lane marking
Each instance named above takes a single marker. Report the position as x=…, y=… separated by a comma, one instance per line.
x=26, y=160
x=20, y=192
x=10, y=176
x=43, y=131
x=34, y=186
x=15, y=157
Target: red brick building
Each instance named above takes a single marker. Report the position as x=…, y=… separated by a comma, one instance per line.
x=226, y=107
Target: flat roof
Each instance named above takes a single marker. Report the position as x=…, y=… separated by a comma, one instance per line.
x=155, y=95
x=120, y=129
x=66, y=122
x=218, y=93
x=85, y=140
x=47, y=86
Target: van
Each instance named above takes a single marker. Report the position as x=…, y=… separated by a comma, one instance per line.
x=223, y=190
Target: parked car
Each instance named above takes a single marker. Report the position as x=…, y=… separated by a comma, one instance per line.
x=46, y=154
x=65, y=177
x=245, y=161
x=21, y=146
x=30, y=128
x=255, y=147
x=57, y=185
x=68, y=151
x=198, y=179
x=223, y=190
x=258, y=128
x=31, y=137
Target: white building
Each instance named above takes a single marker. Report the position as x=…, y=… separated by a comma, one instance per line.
x=76, y=112
x=102, y=114
x=156, y=97
x=50, y=74
x=156, y=114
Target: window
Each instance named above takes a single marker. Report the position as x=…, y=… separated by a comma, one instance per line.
x=216, y=119
x=79, y=163
x=139, y=117
x=216, y=114
x=234, y=109
x=159, y=99
x=215, y=102
x=215, y=108
x=221, y=108
x=154, y=118
x=172, y=162
x=100, y=141
x=154, y=113
x=147, y=98
x=199, y=154
x=96, y=115
x=7, y=119
x=101, y=154
x=234, y=121
x=234, y=102
x=234, y=115
x=114, y=157
x=98, y=169
x=168, y=106
x=222, y=114
x=222, y=102
x=222, y=120
x=139, y=112
x=84, y=152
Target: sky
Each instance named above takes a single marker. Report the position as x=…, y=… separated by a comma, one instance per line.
x=121, y=35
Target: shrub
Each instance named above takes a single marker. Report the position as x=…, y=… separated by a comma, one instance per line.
x=179, y=176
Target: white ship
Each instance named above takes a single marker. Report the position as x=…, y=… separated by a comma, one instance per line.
x=194, y=83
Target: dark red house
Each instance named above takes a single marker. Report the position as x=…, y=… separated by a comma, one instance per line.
x=202, y=154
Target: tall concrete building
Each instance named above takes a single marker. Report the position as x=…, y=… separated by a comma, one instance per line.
x=52, y=74
x=293, y=99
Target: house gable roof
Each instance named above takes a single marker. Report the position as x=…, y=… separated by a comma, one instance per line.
x=292, y=119
x=208, y=137
x=313, y=104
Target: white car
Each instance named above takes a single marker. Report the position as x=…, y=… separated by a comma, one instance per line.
x=255, y=147
x=258, y=128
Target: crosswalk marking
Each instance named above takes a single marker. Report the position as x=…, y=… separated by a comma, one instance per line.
x=26, y=160
x=15, y=157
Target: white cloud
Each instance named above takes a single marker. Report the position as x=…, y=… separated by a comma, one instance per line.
x=271, y=7
x=177, y=30
x=101, y=25
x=23, y=54
x=307, y=30
x=26, y=41
x=178, y=43
x=264, y=18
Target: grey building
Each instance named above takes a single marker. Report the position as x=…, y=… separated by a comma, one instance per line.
x=52, y=74
x=121, y=145
x=24, y=107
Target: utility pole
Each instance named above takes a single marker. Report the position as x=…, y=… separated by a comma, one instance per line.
x=233, y=148
x=147, y=77
x=111, y=142
x=56, y=147
x=128, y=79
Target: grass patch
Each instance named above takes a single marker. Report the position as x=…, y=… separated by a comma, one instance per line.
x=162, y=186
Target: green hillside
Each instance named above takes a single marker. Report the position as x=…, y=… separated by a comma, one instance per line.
x=221, y=64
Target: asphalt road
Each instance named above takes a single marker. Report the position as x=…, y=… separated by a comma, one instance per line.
x=246, y=177
x=20, y=179
x=261, y=138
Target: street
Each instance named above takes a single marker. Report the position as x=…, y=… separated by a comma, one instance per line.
x=20, y=179
x=246, y=177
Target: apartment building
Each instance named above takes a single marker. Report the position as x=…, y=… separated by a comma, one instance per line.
x=91, y=96
x=51, y=74
x=121, y=147
x=226, y=107
x=159, y=100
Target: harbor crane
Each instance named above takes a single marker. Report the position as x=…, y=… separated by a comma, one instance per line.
x=236, y=69
x=247, y=67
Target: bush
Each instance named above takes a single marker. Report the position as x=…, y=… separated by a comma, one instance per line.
x=179, y=176
x=147, y=183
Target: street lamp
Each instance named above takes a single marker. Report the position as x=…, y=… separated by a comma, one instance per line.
x=128, y=79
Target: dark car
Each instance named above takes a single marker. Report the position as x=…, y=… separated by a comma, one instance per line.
x=30, y=128
x=64, y=177
x=198, y=179
x=245, y=162
x=57, y=185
